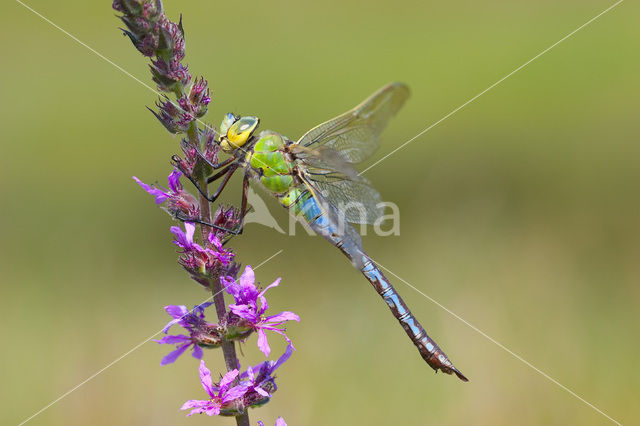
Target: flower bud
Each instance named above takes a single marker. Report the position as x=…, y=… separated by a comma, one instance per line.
x=227, y=218
x=141, y=18
x=199, y=97
x=210, y=148
x=172, y=116
x=171, y=40
x=170, y=76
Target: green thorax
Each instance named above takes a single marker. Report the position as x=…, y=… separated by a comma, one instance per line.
x=268, y=161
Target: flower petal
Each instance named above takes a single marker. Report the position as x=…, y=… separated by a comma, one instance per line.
x=244, y=311
x=181, y=238
x=263, y=344
x=254, y=370
x=199, y=309
x=193, y=403
x=248, y=277
x=174, y=180
x=282, y=317
x=205, y=378
x=161, y=196
x=190, y=229
x=197, y=352
x=228, y=379
x=169, y=325
x=261, y=391
x=230, y=286
x=280, y=422
x=176, y=311
x=234, y=393
x=172, y=340
x=199, y=410
x=198, y=406
x=213, y=410
x=285, y=356
x=273, y=284
x=173, y=355
x=215, y=241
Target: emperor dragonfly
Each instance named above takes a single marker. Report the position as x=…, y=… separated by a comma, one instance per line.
x=314, y=179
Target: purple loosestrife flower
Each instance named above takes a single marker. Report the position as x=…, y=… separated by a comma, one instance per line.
x=184, y=101
x=246, y=307
x=259, y=379
x=204, y=264
x=179, y=203
x=279, y=422
x=201, y=332
x=221, y=396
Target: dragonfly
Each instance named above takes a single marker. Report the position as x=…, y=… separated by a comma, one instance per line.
x=314, y=178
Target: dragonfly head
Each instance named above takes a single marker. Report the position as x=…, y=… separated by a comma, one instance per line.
x=235, y=131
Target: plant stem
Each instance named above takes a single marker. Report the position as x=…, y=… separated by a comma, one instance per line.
x=228, y=348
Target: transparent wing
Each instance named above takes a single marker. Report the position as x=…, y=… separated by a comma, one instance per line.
x=338, y=182
x=355, y=134
x=340, y=222
x=356, y=201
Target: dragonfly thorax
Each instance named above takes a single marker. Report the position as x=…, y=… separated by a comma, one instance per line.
x=236, y=131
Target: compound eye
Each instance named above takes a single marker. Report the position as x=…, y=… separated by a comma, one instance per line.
x=241, y=130
x=227, y=121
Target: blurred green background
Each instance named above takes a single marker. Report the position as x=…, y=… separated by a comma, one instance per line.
x=520, y=213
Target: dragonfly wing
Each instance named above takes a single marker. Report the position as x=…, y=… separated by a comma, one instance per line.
x=339, y=183
x=325, y=159
x=355, y=134
x=357, y=201
x=337, y=218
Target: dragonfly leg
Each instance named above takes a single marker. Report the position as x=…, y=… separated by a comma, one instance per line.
x=243, y=210
x=215, y=166
x=218, y=166
x=227, y=172
x=211, y=225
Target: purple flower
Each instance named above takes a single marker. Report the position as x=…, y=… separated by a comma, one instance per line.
x=259, y=378
x=160, y=194
x=246, y=296
x=218, y=395
x=199, y=261
x=201, y=333
x=279, y=422
x=179, y=203
x=184, y=238
x=220, y=253
x=174, y=181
